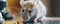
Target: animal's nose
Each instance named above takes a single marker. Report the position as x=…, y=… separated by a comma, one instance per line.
x=30, y=11
x=22, y=10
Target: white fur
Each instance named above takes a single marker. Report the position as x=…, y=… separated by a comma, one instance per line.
x=40, y=9
x=1, y=17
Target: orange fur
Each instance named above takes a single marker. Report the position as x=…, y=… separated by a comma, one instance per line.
x=16, y=11
x=13, y=10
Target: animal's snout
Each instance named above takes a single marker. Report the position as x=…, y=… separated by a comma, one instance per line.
x=30, y=11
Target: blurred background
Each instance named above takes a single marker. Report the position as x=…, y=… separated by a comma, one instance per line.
x=53, y=8
x=2, y=4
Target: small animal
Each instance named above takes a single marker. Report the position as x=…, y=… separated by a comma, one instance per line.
x=32, y=11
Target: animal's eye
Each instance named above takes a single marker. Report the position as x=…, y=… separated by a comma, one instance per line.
x=22, y=10
x=30, y=11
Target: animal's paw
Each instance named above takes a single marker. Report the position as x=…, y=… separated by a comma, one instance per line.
x=40, y=20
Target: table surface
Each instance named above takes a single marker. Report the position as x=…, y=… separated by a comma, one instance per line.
x=53, y=18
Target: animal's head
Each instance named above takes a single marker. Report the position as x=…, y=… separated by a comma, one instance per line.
x=27, y=8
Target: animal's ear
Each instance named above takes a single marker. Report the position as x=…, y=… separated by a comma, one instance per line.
x=35, y=3
x=21, y=2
